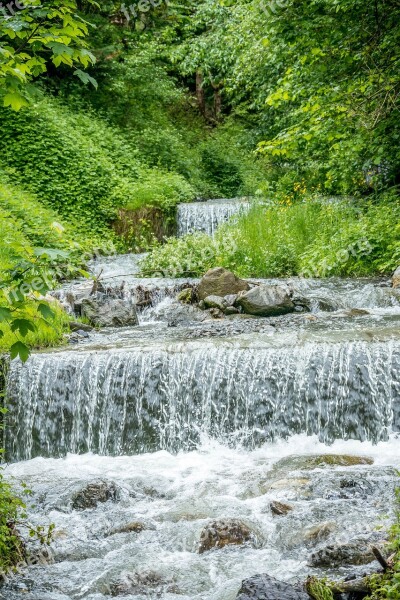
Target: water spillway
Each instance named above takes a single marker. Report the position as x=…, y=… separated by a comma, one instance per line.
x=207, y=216
x=129, y=401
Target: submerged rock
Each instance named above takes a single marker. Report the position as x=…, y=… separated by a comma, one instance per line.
x=322, y=460
x=176, y=314
x=264, y=587
x=396, y=278
x=220, y=282
x=109, y=312
x=266, y=301
x=226, y=532
x=354, y=553
x=147, y=583
x=280, y=508
x=135, y=527
x=94, y=494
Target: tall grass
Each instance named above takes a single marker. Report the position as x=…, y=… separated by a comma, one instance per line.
x=315, y=238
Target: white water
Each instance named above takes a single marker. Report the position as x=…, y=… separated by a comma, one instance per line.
x=175, y=496
x=206, y=217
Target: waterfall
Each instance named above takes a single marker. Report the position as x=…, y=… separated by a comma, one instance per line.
x=208, y=216
x=127, y=401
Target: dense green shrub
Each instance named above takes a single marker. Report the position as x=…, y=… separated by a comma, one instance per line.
x=73, y=163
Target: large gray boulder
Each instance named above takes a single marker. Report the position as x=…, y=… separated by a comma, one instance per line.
x=264, y=587
x=266, y=301
x=396, y=278
x=220, y=282
x=109, y=312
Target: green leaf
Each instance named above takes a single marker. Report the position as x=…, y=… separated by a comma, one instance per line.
x=86, y=78
x=5, y=314
x=15, y=101
x=46, y=311
x=23, y=326
x=19, y=349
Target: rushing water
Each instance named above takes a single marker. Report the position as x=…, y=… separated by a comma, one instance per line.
x=208, y=216
x=193, y=423
x=175, y=496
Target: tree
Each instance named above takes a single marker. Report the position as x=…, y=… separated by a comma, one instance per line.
x=34, y=34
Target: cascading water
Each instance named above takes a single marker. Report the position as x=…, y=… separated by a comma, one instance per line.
x=208, y=216
x=201, y=421
x=125, y=402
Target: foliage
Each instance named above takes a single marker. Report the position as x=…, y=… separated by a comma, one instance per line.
x=387, y=586
x=35, y=35
x=319, y=589
x=314, y=238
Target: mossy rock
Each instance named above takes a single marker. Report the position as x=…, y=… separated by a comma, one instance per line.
x=321, y=460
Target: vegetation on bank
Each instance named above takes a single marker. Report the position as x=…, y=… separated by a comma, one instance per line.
x=313, y=238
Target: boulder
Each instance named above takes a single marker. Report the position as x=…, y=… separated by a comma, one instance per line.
x=396, y=278
x=266, y=301
x=226, y=532
x=264, y=587
x=216, y=302
x=93, y=494
x=108, y=312
x=220, y=282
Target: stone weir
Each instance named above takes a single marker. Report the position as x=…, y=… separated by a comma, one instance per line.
x=167, y=396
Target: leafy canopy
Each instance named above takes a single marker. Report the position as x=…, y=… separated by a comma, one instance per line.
x=35, y=36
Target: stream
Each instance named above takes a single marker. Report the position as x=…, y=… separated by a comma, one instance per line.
x=184, y=423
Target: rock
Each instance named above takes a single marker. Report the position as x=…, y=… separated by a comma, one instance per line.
x=319, y=532
x=108, y=312
x=82, y=333
x=266, y=301
x=216, y=302
x=264, y=587
x=147, y=584
x=220, y=282
x=135, y=527
x=352, y=553
x=187, y=296
x=279, y=508
x=321, y=460
x=75, y=326
x=226, y=532
x=216, y=313
x=176, y=314
x=232, y=310
x=357, y=312
x=396, y=278
x=93, y=494
x=230, y=299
